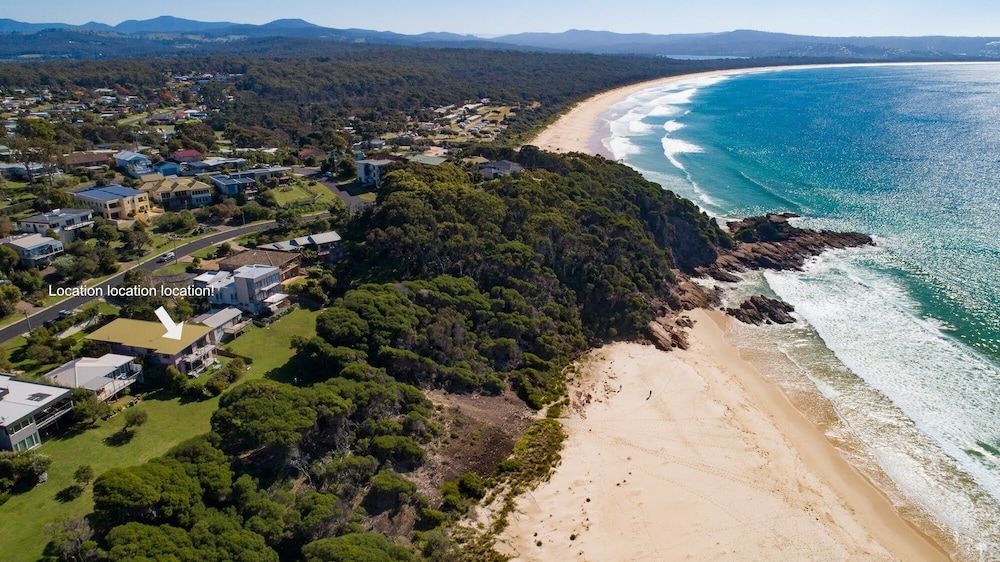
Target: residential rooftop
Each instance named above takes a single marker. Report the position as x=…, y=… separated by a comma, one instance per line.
x=29, y=241
x=296, y=244
x=23, y=399
x=173, y=185
x=108, y=192
x=127, y=155
x=215, y=319
x=88, y=372
x=56, y=214
x=428, y=160
x=148, y=335
x=263, y=257
x=255, y=271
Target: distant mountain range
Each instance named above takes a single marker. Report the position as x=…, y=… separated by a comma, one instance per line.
x=168, y=35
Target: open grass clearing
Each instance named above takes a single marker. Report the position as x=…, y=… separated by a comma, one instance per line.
x=269, y=347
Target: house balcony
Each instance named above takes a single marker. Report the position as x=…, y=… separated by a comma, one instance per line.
x=116, y=385
x=49, y=415
x=78, y=226
x=197, y=354
x=45, y=254
x=268, y=289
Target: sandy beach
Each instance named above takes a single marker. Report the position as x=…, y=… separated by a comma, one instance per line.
x=578, y=129
x=693, y=455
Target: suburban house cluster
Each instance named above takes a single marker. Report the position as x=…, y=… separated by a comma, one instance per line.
x=42, y=237
x=174, y=183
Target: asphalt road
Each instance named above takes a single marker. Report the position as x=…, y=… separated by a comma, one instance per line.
x=52, y=313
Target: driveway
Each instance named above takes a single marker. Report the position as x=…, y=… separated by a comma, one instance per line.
x=354, y=203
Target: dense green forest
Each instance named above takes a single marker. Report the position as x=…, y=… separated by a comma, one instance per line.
x=447, y=283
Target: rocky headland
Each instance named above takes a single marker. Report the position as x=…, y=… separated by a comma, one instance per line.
x=764, y=242
x=772, y=242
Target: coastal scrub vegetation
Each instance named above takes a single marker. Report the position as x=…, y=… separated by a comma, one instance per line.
x=473, y=287
x=448, y=282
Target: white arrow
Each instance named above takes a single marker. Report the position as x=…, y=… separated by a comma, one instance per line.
x=173, y=330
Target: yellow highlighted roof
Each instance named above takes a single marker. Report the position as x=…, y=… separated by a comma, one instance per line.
x=148, y=335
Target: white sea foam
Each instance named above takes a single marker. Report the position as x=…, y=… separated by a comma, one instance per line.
x=672, y=147
x=638, y=127
x=686, y=187
x=639, y=114
x=621, y=147
x=944, y=388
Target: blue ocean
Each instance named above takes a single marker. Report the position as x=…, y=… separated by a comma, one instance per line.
x=903, y=340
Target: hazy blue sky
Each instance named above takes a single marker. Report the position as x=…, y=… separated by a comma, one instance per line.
x=826, y=17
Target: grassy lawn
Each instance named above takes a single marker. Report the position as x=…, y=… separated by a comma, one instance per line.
x=11, y=349
x=301, y=193
x=171, y=269
x=270, y=348
x=26, y=515
x=160, y=241
x=205, y=253
x=369, y=197
x=15, y=316
x=291, y=193
x=102, y=307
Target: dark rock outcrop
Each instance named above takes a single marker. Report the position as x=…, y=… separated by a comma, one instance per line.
x=759, y=310
x=771, y=242
x=668, y=332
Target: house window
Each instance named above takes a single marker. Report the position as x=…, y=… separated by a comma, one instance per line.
x=28, y=442
x=11, y=430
